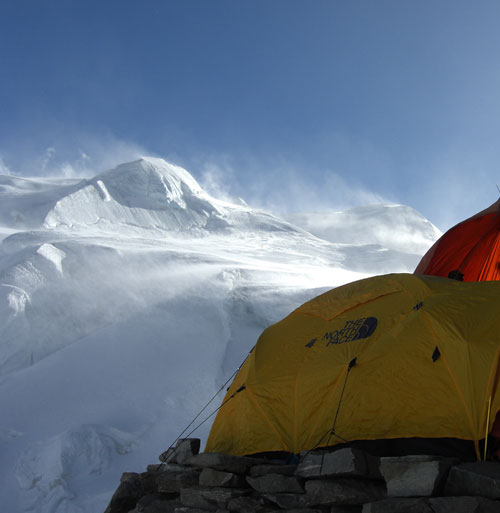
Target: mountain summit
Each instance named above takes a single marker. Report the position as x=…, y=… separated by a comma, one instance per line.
x=151, y=193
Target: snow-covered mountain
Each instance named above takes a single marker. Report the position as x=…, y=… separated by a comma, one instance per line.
x=127, y=300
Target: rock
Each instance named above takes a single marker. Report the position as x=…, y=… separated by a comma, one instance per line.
x=402, y=505
x=188, y=478
x=156, y=503
x=287, y=500
x=167, y=456
x=464, y=505
x=157, y=467
x=276, y=483
x=189, y=510
x=211, y=477
x=184, y=449
x=343, y=491
x=209, y=499
x=167, y=482
x=478, y=478
x=434, y=505
x=249, y=505
x=149, y=482
x=127, y=494
x=415, y=476
x=171, y=467
x=302, y=510
x=175, y=478
x=345, y=462
x=224, y=462
x=193, y=498
x=340, y=497
x=342, y=481
x=262, y=470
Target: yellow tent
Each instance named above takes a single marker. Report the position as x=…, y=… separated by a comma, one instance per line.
x=393, y=356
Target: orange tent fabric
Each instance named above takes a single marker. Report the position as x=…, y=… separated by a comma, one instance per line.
x=472, y=247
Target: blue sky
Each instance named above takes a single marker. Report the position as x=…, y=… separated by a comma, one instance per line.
x=293, y=105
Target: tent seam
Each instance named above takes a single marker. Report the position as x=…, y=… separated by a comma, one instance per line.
x=328, y=319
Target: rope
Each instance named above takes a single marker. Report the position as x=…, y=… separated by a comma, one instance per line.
x=352, y=363
x=332, y=431
x=208, y=404
x=203, y=409
x=170, y=456
x=243, y=387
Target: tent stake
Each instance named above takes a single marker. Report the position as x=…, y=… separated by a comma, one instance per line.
x=487, y=428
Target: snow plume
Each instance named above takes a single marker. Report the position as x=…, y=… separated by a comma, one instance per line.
x=287, y=188
x=330, y=171
x=107, y=152
x=216, y=179
x=47, y=157
x=81, y=166
x=4, y=170
x=74, y=168
x=93, y=154
x=282, y=185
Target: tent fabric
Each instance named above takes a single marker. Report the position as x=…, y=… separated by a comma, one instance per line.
x=394, y=356
x=472, y=247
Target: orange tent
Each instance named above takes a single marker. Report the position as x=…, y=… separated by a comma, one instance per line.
x=471, y=248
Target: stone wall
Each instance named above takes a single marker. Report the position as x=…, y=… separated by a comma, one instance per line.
x=345, y=480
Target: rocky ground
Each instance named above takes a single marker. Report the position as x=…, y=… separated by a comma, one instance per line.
x=345, y=480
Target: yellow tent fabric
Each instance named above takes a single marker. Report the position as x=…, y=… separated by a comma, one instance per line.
x=393, y=356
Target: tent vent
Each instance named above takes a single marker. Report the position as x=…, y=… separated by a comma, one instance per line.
x=456, y=275
x=311, y=343
x=436, y=354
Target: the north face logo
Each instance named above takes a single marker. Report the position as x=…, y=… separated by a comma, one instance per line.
x=353, y=330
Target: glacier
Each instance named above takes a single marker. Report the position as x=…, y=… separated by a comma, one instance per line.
x=128, y=299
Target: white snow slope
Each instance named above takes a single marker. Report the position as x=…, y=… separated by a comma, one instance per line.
x=127, y=300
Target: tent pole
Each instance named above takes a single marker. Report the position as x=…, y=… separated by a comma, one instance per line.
x=487, y=428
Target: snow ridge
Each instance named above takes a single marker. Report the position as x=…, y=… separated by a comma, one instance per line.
x=152, y=194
